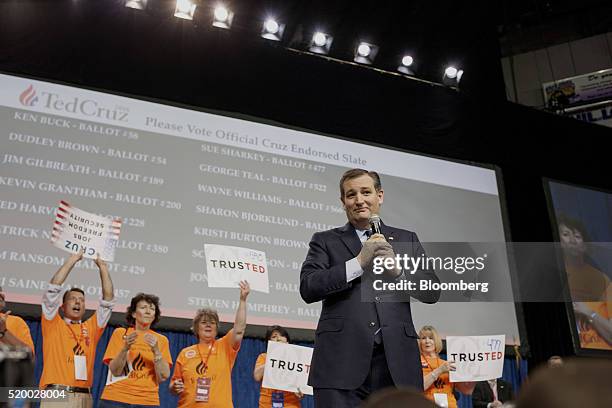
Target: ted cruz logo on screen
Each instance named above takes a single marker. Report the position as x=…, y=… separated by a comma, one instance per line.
x=28, y=97
x=81, y=106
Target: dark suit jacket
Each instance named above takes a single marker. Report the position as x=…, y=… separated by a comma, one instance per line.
x=483, y=394
x=344, y=338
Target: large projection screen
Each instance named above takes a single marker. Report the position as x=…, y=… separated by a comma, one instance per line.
x=180, y=179
x=582, y=218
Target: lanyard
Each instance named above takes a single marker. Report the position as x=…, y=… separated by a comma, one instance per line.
x=78, y=342
x=429, y=364
x=207, y=356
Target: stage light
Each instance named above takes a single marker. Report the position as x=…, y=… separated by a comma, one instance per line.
x=319, y=39
x=363, y=50
x=184, y=9
x=452, y=76
x=320, y=43
x=271, y=26
x=272, y=30
x=405, y=66
x=222, y=17
x=221, y=13
x=450, y=72
x=136, y=4
x=365, y=53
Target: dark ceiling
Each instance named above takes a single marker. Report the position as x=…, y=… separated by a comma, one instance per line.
x=526, y=25
x=434, y=33
x=471, y=35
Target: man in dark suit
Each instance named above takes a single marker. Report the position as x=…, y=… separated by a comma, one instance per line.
x=492, y=393
x=361, y=345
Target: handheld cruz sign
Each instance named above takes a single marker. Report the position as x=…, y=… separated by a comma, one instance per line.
x=228, y=265
x=477, y=358
x=75, y=230
x=287, y=367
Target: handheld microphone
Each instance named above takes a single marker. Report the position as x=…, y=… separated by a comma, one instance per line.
x=375, y=224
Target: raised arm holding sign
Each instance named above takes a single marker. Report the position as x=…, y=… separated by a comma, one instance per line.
x=69, y=343
x=203, y=372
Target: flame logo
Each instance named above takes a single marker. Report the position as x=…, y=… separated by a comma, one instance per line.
x=138, y=363
x=126, y=370
x=201, y=368
x=28, y=97
x=78, y=351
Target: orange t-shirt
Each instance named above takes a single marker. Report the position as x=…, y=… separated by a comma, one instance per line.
x=265, y=394
x=587, y=283
x=593, y=287
x=140, y=387
x=589, y=337
x=442, y=385
x=190, y=367
x=61, y=342
x=19, y=328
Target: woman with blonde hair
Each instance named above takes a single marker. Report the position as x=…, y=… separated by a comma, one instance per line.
x=436, y=382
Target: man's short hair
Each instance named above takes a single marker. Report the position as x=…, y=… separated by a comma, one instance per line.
x=554, y=361
x=207, y=312
x=151, y=299
x=281, y=330
x=74, y=289
x=354, y=173
x=398, y=398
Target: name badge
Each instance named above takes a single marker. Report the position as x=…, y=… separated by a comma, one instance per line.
x=80, y=368
x=441, y=400
x=202, y=390
x=278, y=399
